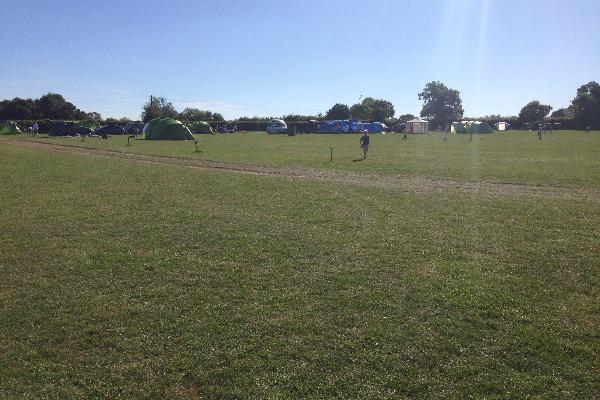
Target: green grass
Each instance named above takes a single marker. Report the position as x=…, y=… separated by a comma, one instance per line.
x=563, y=157
x=121, y=280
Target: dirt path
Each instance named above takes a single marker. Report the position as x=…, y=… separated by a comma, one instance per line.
x=405, y=183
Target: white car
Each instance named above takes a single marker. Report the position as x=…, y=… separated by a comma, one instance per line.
x=276, y=126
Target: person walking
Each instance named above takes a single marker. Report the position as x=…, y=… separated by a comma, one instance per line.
x=364, y=143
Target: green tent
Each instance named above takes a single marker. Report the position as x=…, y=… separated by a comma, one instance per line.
x=200, y=127
x=167, y=129
x=9, y=128
x=93, y=125
x=470, y=127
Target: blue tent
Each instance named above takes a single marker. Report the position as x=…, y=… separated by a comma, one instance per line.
x=349, y=126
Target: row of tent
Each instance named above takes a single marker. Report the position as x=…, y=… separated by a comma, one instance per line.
x=171, y=129
x=9, y=128
x=157, y=129
x=168, y=129
x=349, y=126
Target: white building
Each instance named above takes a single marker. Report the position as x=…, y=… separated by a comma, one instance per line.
x=417, y=125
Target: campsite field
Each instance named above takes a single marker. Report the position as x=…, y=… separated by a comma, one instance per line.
x=129, y=280
x=562, y=158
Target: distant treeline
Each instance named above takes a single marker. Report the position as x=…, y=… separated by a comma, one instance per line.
x=49, y=106
x=441, y=106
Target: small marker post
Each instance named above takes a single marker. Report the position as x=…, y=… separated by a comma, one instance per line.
x=331, y=154
x=196, y=144
x=128, y=137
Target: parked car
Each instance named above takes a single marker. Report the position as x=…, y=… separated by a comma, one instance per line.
x=277, y=126
x=110, y=130
x=68, y=129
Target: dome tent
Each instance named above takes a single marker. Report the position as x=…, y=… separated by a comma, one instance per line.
x=166, y=129
x=93, y=125
x=9, y=128
x=199, y=127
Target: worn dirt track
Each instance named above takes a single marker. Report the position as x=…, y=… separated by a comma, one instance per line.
x=405, y=183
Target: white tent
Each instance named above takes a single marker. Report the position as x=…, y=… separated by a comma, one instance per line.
x=417, y=125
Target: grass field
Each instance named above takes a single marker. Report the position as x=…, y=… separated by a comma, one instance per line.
x=563, y=157
x=128, y=280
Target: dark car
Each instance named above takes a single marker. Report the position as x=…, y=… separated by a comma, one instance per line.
x=110, y=130
x=67, y=129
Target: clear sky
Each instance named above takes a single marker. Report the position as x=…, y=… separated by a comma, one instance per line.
x=275, y=57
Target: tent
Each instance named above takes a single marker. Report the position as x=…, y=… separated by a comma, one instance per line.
x=458, y=127
x=470, y=127
x=348, y=126
x=373, y=127
x=9, y=128
x=93, y=125
x=166, y=129
x=134, y=127
x=417, y=125
x=199, y=127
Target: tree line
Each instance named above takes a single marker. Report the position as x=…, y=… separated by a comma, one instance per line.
x=441, y=106
x=53, y=106
x=160, y=107
x=49, y=106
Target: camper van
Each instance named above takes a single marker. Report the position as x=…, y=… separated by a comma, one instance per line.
x=276, y=126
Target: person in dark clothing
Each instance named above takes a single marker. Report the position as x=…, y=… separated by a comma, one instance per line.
x=364, y=143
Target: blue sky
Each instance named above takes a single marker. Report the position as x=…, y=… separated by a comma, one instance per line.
x=271, y=58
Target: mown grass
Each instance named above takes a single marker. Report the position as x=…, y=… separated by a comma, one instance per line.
x=121, y=280
x=562, y=157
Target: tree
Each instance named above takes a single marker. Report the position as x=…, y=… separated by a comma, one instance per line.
x=534, y=111
x=49, y=106
x=111, y=121
x=297, y=117
x=94, y=116
x=54, y=106
x=371, y=109
x=405, y=118
x=255, y=118
x=360, y=112
x=563, y=113
x=586, y=105
x=194, y=114
x=441, y=105
x=379, y=109
x=338, y=111
x=158, y=107
x=16, y=109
